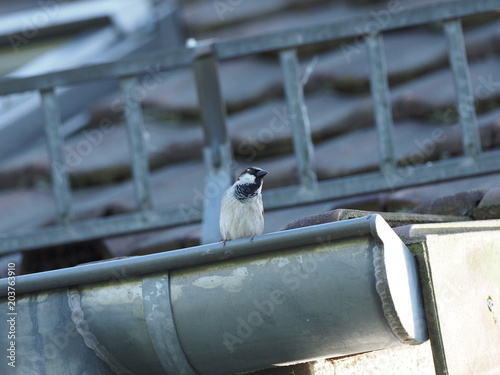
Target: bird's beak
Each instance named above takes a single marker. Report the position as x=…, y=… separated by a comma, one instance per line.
x=262, y=173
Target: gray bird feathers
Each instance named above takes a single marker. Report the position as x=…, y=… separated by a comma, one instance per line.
x=242, y=211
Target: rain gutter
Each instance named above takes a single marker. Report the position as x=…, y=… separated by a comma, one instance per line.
x=321, y=291
x=193, y=256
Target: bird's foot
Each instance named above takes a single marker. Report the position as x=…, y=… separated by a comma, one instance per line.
x=223, y=241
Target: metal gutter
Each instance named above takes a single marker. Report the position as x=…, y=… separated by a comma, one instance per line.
x=193, y=256
x=321, y=291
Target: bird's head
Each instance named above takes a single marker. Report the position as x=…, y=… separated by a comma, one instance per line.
x=252, y=175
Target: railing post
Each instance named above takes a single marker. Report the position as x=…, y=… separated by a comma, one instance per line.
x=381, y=102
x=59, y=173
x=217, y=151
x=137, y=143
x=471, y=141
x=299, y=120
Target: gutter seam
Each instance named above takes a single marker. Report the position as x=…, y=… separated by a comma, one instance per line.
x=158, y=311
x=82, y=327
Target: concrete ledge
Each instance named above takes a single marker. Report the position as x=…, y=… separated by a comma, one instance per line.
x=418, y=232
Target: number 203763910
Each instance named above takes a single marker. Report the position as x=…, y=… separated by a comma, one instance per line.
x=11, y=286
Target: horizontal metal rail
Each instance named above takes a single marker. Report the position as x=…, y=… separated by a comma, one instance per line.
x=352, y=28
x=94, y=229
x=343, y=187
x=238, y=47
x=130, y=66
x=217, y=153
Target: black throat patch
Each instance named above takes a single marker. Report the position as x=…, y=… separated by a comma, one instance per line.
x=242, y=192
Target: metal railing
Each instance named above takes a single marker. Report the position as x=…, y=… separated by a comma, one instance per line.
x=204, y=60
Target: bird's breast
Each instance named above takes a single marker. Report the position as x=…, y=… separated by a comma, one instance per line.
x=241, y=218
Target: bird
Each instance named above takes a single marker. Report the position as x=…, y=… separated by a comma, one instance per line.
x=242, y=210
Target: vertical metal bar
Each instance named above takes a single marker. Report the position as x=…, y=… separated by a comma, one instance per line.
x=60, y=179
x=168, y=24
x=381, y=102
x=471, y=140
x=137, y=143
x=217, y=150
x=299, y=120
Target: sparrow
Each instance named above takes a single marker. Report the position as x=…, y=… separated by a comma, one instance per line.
x=242, y=211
